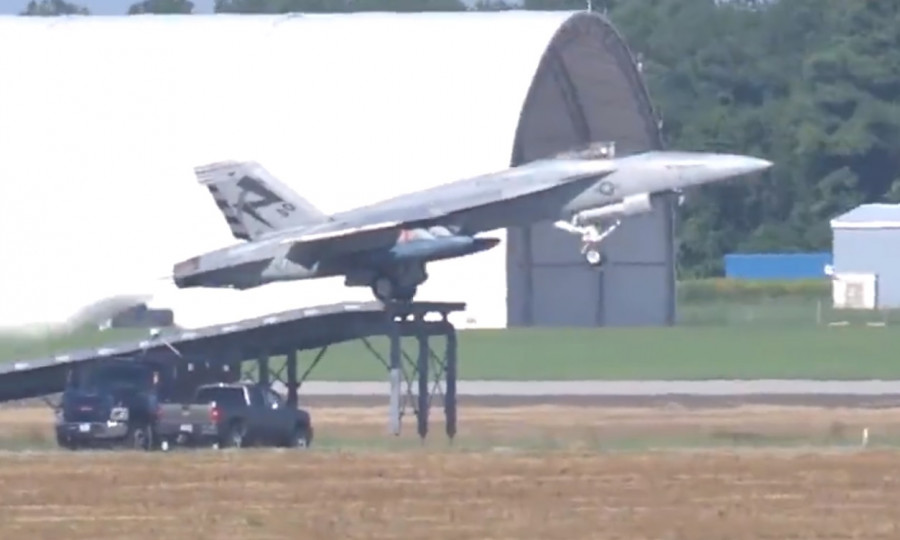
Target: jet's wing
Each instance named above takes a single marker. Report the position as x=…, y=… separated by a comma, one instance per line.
x=483, y=211
x=332, y=239
x=310, y=235
x=501, y=212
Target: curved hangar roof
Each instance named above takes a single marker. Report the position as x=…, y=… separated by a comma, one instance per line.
x=105, y=117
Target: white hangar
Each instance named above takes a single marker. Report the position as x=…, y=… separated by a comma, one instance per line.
x=104, y=118
x=866, y=271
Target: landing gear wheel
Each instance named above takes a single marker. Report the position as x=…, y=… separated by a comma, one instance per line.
x=386, y=290
x=594, y=257
x=383, y=288
x=406, y=294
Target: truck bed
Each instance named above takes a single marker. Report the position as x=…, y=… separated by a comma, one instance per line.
x=187, y=424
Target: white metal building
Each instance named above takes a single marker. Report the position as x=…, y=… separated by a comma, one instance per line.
x=102, y=120
x=866, y=253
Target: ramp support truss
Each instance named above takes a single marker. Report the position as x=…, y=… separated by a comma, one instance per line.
x=414, y=381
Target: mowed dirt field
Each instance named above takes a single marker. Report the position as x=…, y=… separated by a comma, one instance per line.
x=538, y=472
x=561, y=426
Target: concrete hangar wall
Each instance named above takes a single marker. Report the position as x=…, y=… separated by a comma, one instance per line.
x=103, y=119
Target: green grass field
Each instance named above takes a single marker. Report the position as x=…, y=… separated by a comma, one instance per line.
x=647, y=353
x=792, y=313
x=15, y=347
x=616, y=353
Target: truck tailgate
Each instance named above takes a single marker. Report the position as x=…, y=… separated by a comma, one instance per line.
x=182, y=418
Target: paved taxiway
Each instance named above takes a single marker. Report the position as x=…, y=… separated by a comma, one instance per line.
x=626, y=388
x=872, y=393
x=691, y=394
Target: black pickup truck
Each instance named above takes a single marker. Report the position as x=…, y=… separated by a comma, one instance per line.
x=112, y=404
x=233, y=415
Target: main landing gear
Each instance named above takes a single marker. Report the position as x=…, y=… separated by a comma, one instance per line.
x=591, y=237
x=386, y=289
x=399, y=284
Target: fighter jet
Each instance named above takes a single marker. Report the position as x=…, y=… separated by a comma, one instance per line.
x=387, y=245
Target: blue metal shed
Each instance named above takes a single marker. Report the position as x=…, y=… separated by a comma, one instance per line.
x=867, y=240
x=763, y=266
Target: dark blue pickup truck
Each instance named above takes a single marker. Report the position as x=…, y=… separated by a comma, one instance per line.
x=111, y=404
x=233, y=415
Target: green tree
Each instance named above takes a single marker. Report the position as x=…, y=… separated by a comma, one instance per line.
x=335, y=6
x=495, y=5
x=810, y=84
x=280, y=6
x=407, y=6
x=162, y=7
x=51, y=8
x=558, y=5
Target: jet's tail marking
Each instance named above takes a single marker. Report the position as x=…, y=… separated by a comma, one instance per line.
x=253, y=201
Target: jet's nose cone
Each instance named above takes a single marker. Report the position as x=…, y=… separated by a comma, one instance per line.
x=736, y=165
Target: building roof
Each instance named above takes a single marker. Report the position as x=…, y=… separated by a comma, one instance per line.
x=869, y=216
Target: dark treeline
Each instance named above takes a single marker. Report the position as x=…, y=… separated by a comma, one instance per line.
x=813, y=85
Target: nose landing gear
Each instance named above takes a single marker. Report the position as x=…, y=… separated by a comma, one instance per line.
x=594, y=257
x=591, y=238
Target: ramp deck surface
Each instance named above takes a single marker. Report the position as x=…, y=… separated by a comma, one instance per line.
x=274, y=334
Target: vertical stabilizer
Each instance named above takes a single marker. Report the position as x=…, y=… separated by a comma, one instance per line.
x=253, y=201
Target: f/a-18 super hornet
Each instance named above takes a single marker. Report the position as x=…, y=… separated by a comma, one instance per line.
x=387, y=245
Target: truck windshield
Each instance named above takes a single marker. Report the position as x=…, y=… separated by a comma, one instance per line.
x=227, y=396
x=118, y=376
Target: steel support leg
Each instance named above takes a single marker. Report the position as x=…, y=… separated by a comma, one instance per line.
x=263, y=370
x=417, y=388
x=234, y=371
x=292, y=384
x=396, y=376
x=424, y=396
x=450, y=380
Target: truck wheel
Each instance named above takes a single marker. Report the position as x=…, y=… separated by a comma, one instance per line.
x=234, y=437
x=68, y=444
x=140, y=438
x=301, y=437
